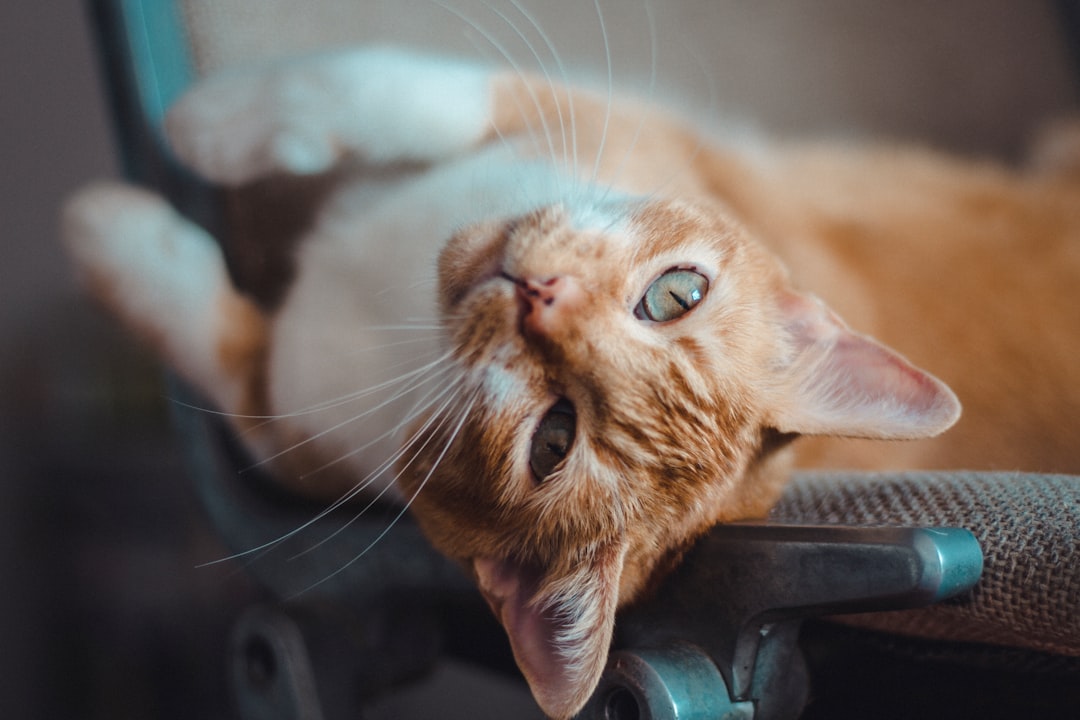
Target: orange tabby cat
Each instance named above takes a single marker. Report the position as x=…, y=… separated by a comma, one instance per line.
x=625, y=340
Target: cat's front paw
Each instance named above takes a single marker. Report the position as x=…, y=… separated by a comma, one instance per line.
x=251, y=123
x=303, y=116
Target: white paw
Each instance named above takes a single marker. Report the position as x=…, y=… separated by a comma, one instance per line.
x=302, y=116
x=132, y=248
x=242, y=125
x=162, y=276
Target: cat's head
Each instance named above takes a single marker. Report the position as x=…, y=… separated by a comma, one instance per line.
x=625, y=372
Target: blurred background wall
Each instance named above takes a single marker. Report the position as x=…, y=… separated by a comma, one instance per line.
x=103, y=611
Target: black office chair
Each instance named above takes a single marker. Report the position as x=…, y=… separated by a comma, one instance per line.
x=725, y=636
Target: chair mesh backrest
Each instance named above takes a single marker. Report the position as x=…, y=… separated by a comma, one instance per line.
x=1027, y=525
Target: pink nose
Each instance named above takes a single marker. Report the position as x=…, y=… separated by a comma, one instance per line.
x=547, y=303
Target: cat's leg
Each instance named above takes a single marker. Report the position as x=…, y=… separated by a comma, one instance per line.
x=165, y=278
x=303, y=116
x=385, y=106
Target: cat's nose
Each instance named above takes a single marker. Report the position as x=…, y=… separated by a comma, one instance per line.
x=546, y=303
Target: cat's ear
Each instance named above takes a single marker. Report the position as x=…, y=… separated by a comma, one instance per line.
x=559, y=628
x=838, y=382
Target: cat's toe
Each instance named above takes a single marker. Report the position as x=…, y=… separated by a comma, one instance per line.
x=220, y=134
x=235, y=128
x=302, y=153
x=244, y=125
x=130, y=246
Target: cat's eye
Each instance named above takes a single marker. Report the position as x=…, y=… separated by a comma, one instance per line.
x=672, y=295
x=552, y=440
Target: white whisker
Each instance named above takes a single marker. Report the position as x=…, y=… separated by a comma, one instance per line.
x=439, y=415
x=405, y=327
x=610, y=91
x=424, y=401
x=417, y=409
x=420, y=380
x=649, y=105
x=314, y=408
x=565, y=81
x=533, y=97
x=494, y=43
x=547, y=77
x=344, y=499
x=395, y=344
x=408, y=503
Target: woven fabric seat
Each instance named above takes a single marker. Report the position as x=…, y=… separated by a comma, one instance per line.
x=1027, y=525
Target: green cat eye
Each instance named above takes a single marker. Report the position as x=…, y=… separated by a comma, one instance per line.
x=672, y=295
x=552, y=440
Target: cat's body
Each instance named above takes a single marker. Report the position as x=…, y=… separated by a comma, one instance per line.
x=969, y=268
x=562, y=428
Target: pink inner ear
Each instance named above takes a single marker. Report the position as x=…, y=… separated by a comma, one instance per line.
x=560, y=645
x=508, y=588
x=843, y=383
